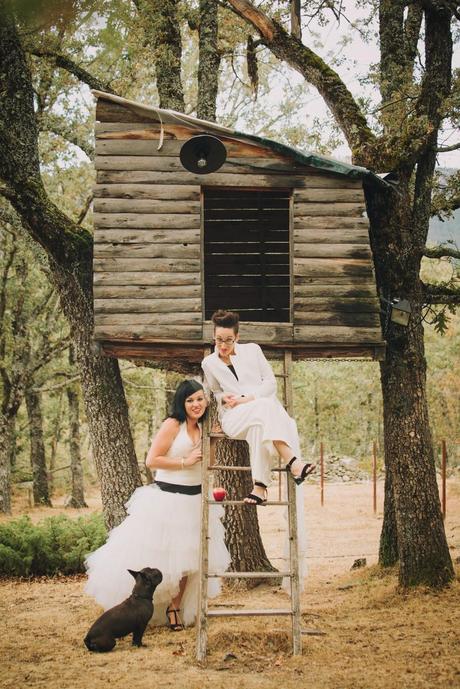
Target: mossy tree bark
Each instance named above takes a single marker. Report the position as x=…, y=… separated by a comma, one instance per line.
x=162, y=31
x=413, y=525
x=209, y=60
x=77, y=497
x=37, y=448
x=69, y=250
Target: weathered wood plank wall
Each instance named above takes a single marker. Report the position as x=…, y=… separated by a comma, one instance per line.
x=148, y=239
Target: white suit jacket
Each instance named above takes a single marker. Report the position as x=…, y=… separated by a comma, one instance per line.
x=255, y=375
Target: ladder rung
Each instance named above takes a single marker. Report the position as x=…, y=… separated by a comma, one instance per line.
x=233, y=467
x=248, y=613
x=218, y=435
x=249, y=575
x=242, y=502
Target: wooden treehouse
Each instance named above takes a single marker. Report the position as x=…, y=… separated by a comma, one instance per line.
x=279, y=236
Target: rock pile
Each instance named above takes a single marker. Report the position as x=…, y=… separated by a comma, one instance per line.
x=344, y=469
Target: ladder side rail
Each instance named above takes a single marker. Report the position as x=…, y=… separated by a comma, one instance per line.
x=292, y=521
x=202, y=626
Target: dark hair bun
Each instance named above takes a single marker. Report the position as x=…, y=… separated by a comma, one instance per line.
x=226, y=319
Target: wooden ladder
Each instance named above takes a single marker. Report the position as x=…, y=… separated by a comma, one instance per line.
x=209, y=441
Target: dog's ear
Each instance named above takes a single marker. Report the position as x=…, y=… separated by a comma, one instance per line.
x=133, y=573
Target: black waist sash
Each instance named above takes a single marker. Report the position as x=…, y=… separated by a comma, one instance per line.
x=178, y=488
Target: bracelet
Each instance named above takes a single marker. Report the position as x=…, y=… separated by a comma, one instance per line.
x=182, y=463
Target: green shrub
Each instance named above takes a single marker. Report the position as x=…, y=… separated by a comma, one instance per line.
x=57, y=545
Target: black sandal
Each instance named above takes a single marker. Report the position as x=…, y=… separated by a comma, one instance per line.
x=307, y=469
x=177, y=625
x=258, y=501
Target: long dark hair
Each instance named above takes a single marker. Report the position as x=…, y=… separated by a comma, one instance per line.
x=184, y=390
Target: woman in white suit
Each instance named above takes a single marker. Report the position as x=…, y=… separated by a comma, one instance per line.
x=245, y=389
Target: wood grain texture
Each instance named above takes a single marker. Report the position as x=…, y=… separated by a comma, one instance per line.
x=143, y=250
x=173, y=221
x=126, y=331
x=325, y=222
x=337, y=334
x=164, y=163
x=321, y=304
x=331, y=236
x=327, y=209
x=321, y=290
x=152, y=265
x=149, y=278
x=332, y=251
x=336, y=318
x=112, y=205
x=330, y=267
x=167, y=192
x=127, y=236
x=145, y=292
x=135, y=318
x=303, y=197
x=142, y=135
x=217, y=179
x=140, y=130
x=149, y=306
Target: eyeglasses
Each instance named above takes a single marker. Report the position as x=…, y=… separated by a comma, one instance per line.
x=228, y=341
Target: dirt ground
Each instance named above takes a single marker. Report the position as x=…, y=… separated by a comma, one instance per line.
x=359, y=631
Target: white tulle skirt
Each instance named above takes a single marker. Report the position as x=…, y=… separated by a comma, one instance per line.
x=161, y=530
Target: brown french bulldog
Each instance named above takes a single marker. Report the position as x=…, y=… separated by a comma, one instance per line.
x=129, y=617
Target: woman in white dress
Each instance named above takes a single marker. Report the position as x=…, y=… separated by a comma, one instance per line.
x=162, y=528
x=244, y=385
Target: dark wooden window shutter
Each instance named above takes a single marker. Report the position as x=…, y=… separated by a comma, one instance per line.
x=246, y=253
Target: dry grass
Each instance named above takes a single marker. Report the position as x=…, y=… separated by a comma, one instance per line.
x=374, y=637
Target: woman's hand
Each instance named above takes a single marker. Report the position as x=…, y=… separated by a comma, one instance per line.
x=231, y=401
x=194, y=457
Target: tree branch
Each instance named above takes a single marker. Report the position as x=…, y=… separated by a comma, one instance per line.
x=440, y=294
x=446, y=149
x=336, y=95
x=72, y=67
x=61, y=127
x=441, y=251
x=67, y=243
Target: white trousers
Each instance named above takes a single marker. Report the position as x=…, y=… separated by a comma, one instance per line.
x=260, y=422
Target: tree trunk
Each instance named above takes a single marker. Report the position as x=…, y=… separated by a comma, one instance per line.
x=105, y=403
x=162, y=30
x=37, y=449
x=6, y=445
x=209, y=60
x=242, y=535
x=388, y=548
x=77, y=498
x=56, y=434
x=415, y=509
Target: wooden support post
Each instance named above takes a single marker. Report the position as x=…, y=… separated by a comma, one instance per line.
x=374, y=475
x=321, y=464
x=292, y=518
